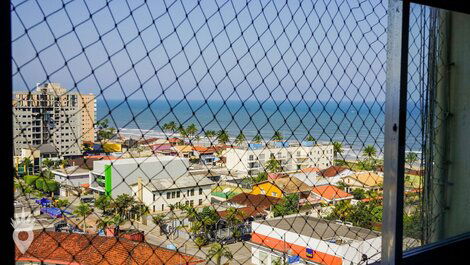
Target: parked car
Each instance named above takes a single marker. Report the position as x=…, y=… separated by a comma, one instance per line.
x=87, y=200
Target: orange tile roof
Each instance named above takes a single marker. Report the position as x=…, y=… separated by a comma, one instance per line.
x=286, y=247
x=332, y=171
x=65, y=248
x=331, y=192
x=310, y=170
x=245, y=212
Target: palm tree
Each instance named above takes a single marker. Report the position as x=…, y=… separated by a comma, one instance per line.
x=83, y=210
x=240, y=139
x=257, y=139
x=217, y=252
x=337, y=148
x=273, y=165
x=222, y=137
x=277, y=136
x=197, y=139
x=27, y=164
x=191, y=130
x=48, y=163
x=310, y=138
x=369, y=151
x=169, y=126
x=209, y=134
x=182, y=131
x=411, y=158
x=123, y=205
x=158, y=220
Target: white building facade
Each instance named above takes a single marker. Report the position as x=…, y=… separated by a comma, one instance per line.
x=160, y=194
x=313, y=241
x=122, y=173
x=291, y=158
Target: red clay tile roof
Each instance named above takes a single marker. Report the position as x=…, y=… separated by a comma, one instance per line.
x=310, y=170
x=332, y=171
x=330, y=192
x=65, y=248
x=245, y=212
x=259, y=201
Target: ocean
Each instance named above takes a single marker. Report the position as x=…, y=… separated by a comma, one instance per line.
x=355, y=124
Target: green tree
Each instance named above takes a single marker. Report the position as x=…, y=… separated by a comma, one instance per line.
x=240, y=139
x=104, y=131
x=257, y=139
x=358, y=194
x=288, y=205
x=337, y=149
x=369, y=151
x=27, y=164
x=123, y=205
x=217, y=252
x=49, y=164
x=273, y=166
x=159, y=220
x=83, y=210
x=411, y=158
x=210, y=134
x=170, y=127
x=191, y=130
x=261, y=176
x=61, y=203
x=310, y=138
x=103, y=203
x=277, y=136
x=223, y=137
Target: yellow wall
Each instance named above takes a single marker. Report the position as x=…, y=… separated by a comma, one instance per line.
x=268, y=188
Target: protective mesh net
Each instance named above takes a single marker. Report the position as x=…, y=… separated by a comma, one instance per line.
x=176, y=132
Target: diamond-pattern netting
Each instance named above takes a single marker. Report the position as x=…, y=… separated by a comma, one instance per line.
x=175, y=132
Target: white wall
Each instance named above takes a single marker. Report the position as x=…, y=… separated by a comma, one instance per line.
x=348, y=252
x=161, y=197
x=320, y=156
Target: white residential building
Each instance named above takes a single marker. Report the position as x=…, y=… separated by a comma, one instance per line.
x=292, y=158
x=117, y=176
x=313, y=241
x=71, y=178
x=159, y=194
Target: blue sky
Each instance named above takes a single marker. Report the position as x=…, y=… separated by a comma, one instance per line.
x=213, y=49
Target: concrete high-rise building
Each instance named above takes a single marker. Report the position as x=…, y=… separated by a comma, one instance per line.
x=87, y=105
x=51, y=115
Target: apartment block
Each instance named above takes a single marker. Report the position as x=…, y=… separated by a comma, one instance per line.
x=115, y=177
x=252, y=160
x=87, y=105
x=51, y=115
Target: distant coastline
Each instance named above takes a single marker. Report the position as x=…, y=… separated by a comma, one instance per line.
x=355, y=124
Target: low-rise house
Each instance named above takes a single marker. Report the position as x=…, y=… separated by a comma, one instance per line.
x=72, y=248
x=282, y=186
x=314, y=241
x=335, y=171
x=184, y=151
x=71, y=178
x=257, y=205
x=363, y=180
x=158, y=194
x=329, y=194
x=206, y=155
x=164, y=149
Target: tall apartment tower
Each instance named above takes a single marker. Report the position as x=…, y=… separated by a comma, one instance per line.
x=51, y=115
x=87, y=105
